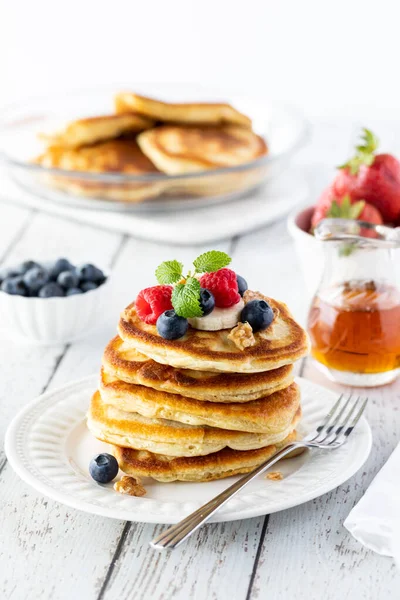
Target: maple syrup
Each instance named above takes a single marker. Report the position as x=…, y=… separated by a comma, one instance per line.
x=355, y=327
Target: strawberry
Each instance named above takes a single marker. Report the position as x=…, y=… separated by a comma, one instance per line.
x=345, y=208
x=152, y=302
x=372, y=177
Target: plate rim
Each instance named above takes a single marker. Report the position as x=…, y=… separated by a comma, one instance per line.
x=234, y=514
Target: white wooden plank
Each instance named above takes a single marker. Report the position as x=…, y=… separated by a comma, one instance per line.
x=307, y=553
x=220, y=552
x=40, y=537
x=215, y=563
x=13, y=220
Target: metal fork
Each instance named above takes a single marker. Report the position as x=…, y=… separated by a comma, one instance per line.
x=330, y=434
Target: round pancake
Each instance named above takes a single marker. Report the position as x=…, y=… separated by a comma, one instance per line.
x=282, y=343
x=115, y=156
x=176, y=149
x=122, y=361
x=188, y=113
x=267, y=415
x=162, y=436
x=95, y=129
x=226, y=462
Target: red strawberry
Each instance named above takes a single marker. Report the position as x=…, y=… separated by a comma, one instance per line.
x=345, y=208
x=373, y=178
x=152, y=302
x=223, y=285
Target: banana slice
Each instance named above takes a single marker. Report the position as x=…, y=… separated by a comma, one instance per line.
x=220, y=318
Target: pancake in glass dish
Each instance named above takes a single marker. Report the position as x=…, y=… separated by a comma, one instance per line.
x=113, y=156
x=84, y=132
x=177, y=150
x=186, y=113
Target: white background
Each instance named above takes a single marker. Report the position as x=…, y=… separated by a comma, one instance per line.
x=331, y=58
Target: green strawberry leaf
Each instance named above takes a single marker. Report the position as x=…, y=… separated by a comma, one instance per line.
x=345, y=210
x=211, y=261
x=365, y=154
x=186, y=298
x=169, y=271
x=356, y=209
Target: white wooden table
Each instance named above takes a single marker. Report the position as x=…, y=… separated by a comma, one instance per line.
x=49, y=551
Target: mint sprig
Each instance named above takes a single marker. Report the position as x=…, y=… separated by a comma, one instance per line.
x=169, y=271
x=186, y=295
x=211, y=261
x=186, y=298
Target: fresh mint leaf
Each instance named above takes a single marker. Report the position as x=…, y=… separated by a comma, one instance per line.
x=211, y=261
x=186, y=298
x=169, y=271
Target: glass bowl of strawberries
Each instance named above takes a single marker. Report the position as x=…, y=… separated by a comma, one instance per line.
x=365, y=188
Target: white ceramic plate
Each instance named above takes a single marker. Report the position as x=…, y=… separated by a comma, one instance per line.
x=50, y=447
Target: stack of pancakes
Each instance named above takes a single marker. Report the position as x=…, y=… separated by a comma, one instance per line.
x=149, y=137
x=197, y=408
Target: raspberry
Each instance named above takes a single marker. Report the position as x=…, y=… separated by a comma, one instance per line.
x=223, y=285
x=152, y=302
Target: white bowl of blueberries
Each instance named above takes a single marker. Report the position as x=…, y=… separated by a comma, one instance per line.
x=53, y=302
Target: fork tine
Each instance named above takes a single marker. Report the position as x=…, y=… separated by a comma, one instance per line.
x=327, y=418
x=333, y=436
x=328, y=429
x=356, y=419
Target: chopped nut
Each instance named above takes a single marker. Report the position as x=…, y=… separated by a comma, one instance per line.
x=242, y=336
x=250, y=295
x=129, y=485
x=274, y=476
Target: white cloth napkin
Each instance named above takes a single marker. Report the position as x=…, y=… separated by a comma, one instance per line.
x=375, y=520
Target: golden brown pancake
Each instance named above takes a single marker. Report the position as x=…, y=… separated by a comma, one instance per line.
x=226, y=462
x=96, y=129
x=122, y=361
x=187, y=113
x=173, y=438
x=282, y=343
x=115, y=156
x=176, y=149
x=269, y=415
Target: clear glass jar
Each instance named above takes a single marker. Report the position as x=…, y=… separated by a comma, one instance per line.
x=354, y=319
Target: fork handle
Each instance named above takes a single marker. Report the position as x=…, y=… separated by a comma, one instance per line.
x=176, y=534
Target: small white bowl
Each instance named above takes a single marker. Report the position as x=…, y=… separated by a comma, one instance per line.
x=308, y=249
x=55, y=320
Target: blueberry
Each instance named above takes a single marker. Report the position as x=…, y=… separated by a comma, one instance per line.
x=207, y=301
x=6, y=273
x=86, y=286
x=242, y=284
x=72, y=291
x=89, y=272
x=26, y=266
x=68, y=279
x=103, y=468
x=258, y=314
x=35, y=279
x=170, y=326
x=61, y=264
x=14, y=286
x=51, y=290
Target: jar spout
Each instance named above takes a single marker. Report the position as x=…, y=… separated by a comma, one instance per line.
x=359, y=232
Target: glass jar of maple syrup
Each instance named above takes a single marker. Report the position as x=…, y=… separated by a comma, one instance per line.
x=354, y=319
